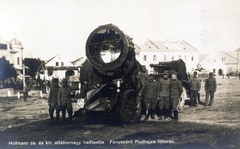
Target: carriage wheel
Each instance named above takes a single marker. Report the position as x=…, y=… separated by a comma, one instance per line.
x=130, y=107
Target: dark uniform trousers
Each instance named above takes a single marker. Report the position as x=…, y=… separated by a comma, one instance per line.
x=194, y=96
x=67, y=107
x=164, y=102
x=211, y=94
x=151, y=105
x=53, y=107
x=174, y=104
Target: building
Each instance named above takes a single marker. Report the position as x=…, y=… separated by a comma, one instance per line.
x=212, y=63
x=230, y=60
x=13, y=52
x=221, y=62
x=153, y=52
x=59, y=67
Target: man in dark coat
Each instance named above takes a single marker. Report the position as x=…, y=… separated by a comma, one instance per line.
x=195, y=86
x=53, y=101
x=150, y=97
x=164, y=96
x=176, y=91
x=64, y=100
x=210, y=89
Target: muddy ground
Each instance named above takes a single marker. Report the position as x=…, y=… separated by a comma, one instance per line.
x=25, y=125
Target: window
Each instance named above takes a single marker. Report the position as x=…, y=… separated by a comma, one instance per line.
x=154, y=58
x=18, y=60
x=192, y=58
x=179, y=57
x=214, y=70
x=165, y=57
x=145, y=58
x=3, y=46
x=62, y=63
x=56, y=63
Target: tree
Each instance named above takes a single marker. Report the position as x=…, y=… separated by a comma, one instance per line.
x=33, y=66
x=6, y=69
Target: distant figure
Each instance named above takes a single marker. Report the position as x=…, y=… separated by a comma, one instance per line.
x=195, y=86
x=65, y=102
x=176, y=91
x=210, y=89
x=53, y=101
x=150, y=98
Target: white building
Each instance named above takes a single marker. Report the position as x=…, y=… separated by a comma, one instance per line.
x=59, y=67
x=220, y=62
x=13, y=52
x=153, y=52
x=212, y=63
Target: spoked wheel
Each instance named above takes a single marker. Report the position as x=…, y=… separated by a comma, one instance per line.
x=130, y=107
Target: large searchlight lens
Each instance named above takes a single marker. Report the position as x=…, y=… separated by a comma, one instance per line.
x=107, y=48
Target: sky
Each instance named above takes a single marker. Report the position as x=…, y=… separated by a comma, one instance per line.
x=50, y=27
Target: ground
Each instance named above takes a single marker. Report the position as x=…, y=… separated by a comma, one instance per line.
x=25, y=125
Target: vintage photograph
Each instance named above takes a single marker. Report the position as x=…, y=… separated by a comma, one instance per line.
x=120, y=74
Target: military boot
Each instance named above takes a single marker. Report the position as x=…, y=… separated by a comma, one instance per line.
x=175, y=115
x=64, y=120
x=57, y=119
x=170, y=113
x=51, y=121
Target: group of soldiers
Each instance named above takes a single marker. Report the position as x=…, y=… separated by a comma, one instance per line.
x=210, y=88
x=160, y=97
x=60, y=101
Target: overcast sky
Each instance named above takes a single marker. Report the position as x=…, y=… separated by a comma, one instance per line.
x=49, y=27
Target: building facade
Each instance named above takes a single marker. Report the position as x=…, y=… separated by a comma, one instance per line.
x=59, y=67
x=13, y=52
x=230, y=60
x=153, y=52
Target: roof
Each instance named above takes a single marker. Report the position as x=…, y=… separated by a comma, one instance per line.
x=232, y=54
x=58, y=58
x=78, y=62
x=15, y=43
x=137, y=48
x=168, y=46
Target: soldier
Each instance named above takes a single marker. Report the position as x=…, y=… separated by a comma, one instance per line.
x=164, y=96
x=64, y=100
x=53, y=101
x=210, y=89
x=150, y=97
x=195, y=87
x=176, y=91
x=142, y=77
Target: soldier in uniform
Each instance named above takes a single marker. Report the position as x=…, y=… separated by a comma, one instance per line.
x=142, y=77
x=150, y=97
x=53, y=101
x=164, y=96
x=176, y=91
x=195, y=87
x=210, y=89
x=64, y=100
